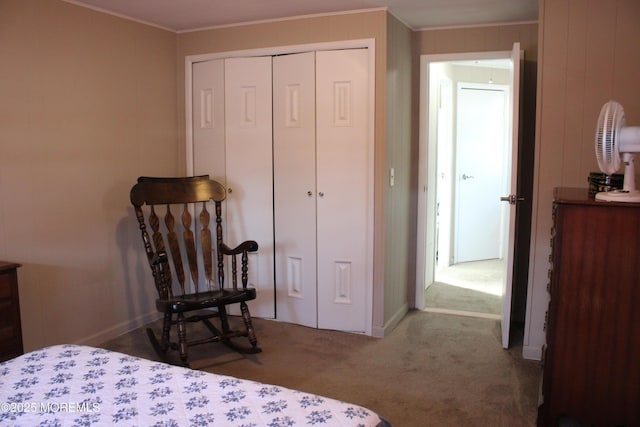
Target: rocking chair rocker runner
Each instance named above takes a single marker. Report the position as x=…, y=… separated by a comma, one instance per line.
x=210, y=295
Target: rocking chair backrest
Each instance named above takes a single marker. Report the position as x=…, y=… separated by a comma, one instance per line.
x=166, y=197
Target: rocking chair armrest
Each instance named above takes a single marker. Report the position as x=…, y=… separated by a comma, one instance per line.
x=160, y=267
x=247, y=246
x=159, y=258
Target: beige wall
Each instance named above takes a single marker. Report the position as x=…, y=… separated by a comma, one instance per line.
x=88, y=104
x=589, y=54
x=400, y=208
x=479, y=39
x=367, y=25
x=487, y=39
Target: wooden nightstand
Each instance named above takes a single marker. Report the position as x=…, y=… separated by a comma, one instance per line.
x=10, y=327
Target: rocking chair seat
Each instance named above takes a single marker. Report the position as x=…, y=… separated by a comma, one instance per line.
x=204, y=300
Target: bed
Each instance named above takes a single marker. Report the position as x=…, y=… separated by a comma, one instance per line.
x=72, y=385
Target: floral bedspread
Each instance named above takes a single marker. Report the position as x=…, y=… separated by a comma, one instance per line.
x=70, y=385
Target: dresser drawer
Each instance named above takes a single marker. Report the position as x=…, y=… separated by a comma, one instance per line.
x=6, y=288
x=10, y=325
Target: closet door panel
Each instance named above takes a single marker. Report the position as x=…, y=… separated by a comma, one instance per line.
x=207, y=124
x=248, y=159
x=294, y=187
x=208, y=119
x=342, y=214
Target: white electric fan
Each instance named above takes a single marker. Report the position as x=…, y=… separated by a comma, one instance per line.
x=616, y=143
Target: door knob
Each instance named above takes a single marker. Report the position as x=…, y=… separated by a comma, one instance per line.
x=465, y=176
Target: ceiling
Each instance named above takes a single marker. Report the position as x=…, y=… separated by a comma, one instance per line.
x=187, y=15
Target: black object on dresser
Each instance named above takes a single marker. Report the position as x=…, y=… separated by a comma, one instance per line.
x=10, y=327
x=591, y=365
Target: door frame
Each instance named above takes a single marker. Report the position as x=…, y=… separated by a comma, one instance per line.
x=426, y=244
x=368, y=44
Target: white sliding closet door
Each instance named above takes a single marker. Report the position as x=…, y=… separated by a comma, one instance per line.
x=294, y=132
x=342, y=155
x=249, y=165
x=289, y=137
x=320, y=188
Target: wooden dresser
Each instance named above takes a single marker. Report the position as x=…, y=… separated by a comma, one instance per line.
x=10, y=327
x=592, y=359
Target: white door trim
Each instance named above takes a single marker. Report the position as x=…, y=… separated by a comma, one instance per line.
x=368, y=44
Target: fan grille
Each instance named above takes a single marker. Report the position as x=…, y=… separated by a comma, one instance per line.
x=610, y=123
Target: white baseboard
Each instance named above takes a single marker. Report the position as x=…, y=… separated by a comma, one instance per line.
x=117, y=330
x=381, y=332
x=532, y=352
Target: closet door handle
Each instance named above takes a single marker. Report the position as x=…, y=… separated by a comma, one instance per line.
x=309, y=193
x=321, y=194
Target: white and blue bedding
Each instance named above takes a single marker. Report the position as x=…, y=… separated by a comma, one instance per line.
x=70, y=385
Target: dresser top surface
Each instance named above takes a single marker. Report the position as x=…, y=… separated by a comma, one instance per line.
x=8, y=265
x=581, y=196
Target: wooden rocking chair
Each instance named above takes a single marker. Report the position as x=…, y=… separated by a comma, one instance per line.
x=197, y=298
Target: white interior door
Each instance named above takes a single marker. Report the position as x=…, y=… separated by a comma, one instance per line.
x=481, y=136
x=249, y=166
x=509, y=209
x=294, y=148
x=342, y=204
x=444, y=167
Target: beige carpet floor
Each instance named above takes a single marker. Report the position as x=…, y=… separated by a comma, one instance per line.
x=444, y=296
x=432, y=370
x=474, y=287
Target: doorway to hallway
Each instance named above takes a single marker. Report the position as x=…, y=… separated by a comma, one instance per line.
x=469, y=260
x=443, y=176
